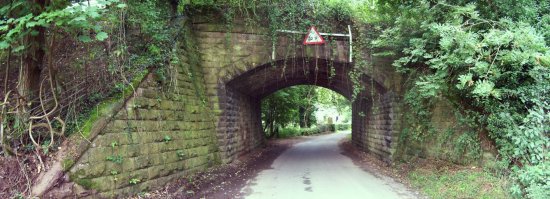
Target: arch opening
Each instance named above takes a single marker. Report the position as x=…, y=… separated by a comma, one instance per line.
x=240, y=125
x=304, y=110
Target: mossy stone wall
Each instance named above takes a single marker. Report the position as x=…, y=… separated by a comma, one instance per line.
x=164, y=131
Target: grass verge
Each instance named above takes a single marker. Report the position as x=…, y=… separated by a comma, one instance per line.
x=461, y=183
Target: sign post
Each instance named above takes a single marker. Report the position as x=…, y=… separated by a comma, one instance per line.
x=313, y=37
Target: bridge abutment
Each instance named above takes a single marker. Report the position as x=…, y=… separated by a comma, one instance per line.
x=239, y=126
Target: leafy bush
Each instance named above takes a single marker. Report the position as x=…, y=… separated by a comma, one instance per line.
x=343, y=127
x=310, y=131
x=289, y=132
x=297, y=131
x=327, y=128
x=294, y=104
x=492, y=61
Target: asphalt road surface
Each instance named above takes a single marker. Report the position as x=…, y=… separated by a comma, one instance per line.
x=317, y=169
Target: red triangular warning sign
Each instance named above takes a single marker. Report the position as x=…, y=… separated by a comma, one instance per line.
x=313, y=37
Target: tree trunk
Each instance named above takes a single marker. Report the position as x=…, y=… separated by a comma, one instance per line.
x=276, y=132
x=31, y=68
x=29, y=78
x=271, y=132
x=301, y=116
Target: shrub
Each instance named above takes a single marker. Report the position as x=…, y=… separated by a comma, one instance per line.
x=297, y=131
x=289, y=132
x=343, y=127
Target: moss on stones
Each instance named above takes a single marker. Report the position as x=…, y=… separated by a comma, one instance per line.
x=67, y=164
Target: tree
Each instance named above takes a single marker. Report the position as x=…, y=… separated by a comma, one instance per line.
x=288, y=106
x=490, y=58
x=297, y=105
x=328, y=98
x=28, y=29
x=27, y=25
x=306, y=99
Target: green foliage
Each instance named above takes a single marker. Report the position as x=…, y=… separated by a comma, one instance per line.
x=86, y=183
x=152, y=19
x=181, y=154
x=466, y=147
x=342, y=127
x=115, y=158
x=24, y=17
x=134, y=181
x=67, y=164
x=313, y=130
x=114, y=172
x=297, y=131
x=289, y=132
x=459, y=184
x=45, y=146
x=18, y=195
x=288, y=106
x=167, y=138
x=490, y=58
x=297, y=106
x=327, y=98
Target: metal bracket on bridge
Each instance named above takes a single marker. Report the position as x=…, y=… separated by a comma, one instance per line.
x=349, y=35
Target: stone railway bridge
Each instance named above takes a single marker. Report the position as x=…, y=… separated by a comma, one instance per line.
x=209, y=113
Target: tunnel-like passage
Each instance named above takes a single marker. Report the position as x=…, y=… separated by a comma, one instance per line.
x=239, y=126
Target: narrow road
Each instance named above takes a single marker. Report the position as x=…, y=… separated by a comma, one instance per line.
x=317, y=169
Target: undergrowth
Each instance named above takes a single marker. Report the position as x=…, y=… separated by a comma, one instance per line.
x=463, y=183
x=297, y=131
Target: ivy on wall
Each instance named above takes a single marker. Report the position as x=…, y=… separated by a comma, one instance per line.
x=490, y=59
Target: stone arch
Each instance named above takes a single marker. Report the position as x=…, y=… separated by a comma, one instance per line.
x=239, y=124
x=233, y=61
x=270, y=77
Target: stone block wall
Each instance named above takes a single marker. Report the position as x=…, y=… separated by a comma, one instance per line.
x=239, y=125
x=359, y=121
x=384, y=126
x=376, y=124
x=225, y=55
x=165, y=131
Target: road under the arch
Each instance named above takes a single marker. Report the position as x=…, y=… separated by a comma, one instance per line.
x=317, y=169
